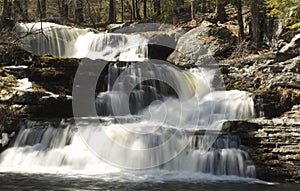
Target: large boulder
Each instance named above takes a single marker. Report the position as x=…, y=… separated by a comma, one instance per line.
x=292, y=48
x=162, y=43
x=162, y=39
x=203, y=44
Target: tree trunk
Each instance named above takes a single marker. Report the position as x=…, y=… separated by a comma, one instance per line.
x=220, y=13
x=25, y=10
x=90, y=14
x=122, y=11
x=156, y=4
x=192, y=10
x=240, y=20
x=6, y=14
x=133, y=10
x=42, y=8
x=79, y=17
x=17, y=9
x=112, y=15
x=145, y=9
x=64, y=9
x=209, y=6
x=203, y=6
x=138, y=16
x=257, y=22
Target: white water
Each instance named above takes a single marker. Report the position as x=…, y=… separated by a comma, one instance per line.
x=160, y=136
x=63, y=41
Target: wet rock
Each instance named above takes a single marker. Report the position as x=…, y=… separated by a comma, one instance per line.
x=114, y=26
x=46, y=94
x=273, y=144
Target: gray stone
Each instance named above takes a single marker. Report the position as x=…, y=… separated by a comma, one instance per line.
x=293, y=47
x=201, y=45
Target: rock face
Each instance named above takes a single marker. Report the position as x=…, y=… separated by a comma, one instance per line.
x=34, y=87
x=202, y=44
x=276, y=83
x=274, y=77
x=162, y=43
x=274, y=146
x=293, y=48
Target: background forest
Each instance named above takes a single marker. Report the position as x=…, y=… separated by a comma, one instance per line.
x=255, y=20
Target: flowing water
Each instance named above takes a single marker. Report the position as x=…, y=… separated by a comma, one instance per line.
x=164, y=133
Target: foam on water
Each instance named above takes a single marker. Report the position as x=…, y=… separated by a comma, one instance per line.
x=63, y=41
x=159, y=141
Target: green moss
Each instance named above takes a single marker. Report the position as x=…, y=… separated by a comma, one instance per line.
x=295, y=26
x=267, y=56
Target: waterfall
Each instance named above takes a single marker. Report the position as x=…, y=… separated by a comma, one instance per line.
x=43, y=147
x=63, y=41
x=172, y=124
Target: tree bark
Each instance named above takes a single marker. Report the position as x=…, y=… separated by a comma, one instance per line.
x=203, y=6
x=133, y=10
x=122, y=11
x=138, y=15
x=90, y=14
x=6, y=10
x=240, y=20
x=220, y=13
x=64, y=9
x=145, y=9
x=79, y=16
x=43, y=8
x=17, y=9
x=192, y=10
x=25, y=10
x=157, y=11
x=257, y=22
x=20, y=10
x=112, y=15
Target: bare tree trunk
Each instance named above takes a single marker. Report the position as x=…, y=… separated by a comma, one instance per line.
x=138, y=16
x=17, y=9
x=220, y=13
x=79, y=17
x=133, y=10
x=122, y=11
x=203, y=6
x=25, y=10
x=145, y=9
x=44, y=8
x=64, y=12
x=240, y=20
x=90, y=13
x=257, y=22
x=6, y=10
x=112, y=15
x=192, y=10
x=20, y=9
x=41, y=8
x=157, y=11
x=209, y=5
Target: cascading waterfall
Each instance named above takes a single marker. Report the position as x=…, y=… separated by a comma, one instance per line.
x=158, y=117
x=62, y=41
